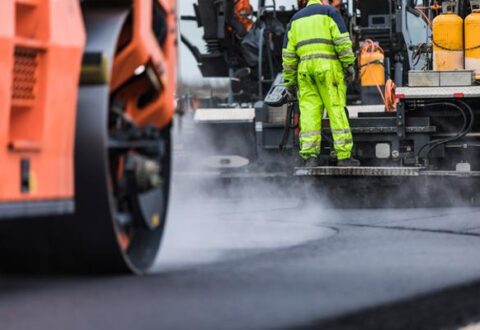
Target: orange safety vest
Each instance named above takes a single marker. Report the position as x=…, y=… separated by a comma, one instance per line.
x=241, y=11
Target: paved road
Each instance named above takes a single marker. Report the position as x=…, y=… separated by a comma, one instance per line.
x=261, y=261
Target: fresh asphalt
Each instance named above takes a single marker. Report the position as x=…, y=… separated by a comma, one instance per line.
x=257, y=261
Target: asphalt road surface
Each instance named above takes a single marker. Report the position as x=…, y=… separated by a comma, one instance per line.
x=260, y=261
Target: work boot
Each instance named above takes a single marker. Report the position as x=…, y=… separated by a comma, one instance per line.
x=311, y=162
x=350, y=162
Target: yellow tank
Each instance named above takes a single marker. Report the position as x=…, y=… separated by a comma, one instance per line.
x=448, y=48
x=472, y=39
x=372, y=69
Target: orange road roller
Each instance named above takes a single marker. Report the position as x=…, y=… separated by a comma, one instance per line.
x=86, y=104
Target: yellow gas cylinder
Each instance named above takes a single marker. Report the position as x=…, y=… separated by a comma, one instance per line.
x=371, y=64
x=472, y=39
x=448, y=51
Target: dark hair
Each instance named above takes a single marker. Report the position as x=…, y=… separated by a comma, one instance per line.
x=302, y=3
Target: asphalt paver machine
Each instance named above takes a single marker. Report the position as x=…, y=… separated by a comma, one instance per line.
x=413, y=108
x=86, y=104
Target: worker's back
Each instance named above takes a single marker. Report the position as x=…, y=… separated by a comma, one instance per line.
x=318, y=37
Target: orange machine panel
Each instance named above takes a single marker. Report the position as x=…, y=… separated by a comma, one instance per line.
x=146, y=61
x=41, y=47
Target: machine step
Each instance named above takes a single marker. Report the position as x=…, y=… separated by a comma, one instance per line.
x=356, y=171
x=378, y=171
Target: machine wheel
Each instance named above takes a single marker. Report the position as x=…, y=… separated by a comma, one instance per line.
x=122, y=186
x=122, y=190
x=122, y=170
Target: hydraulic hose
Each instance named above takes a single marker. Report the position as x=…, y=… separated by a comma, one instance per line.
x=467, y=126
x=390, y=97
x=438, y=142
x=465, y=131
x=260, y=62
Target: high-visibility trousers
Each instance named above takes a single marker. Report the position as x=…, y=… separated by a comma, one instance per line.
x=320, y=90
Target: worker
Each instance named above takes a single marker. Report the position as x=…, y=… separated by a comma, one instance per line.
x=239, y=19
x=335, y=3
x=243, y=10
x=318, y=59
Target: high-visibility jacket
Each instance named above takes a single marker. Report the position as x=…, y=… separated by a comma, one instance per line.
x=316, y=33
x=317, y=51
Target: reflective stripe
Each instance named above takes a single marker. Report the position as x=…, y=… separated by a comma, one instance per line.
x=311, y=145
x=341, y=131
x=310, y=134
x=348, y=51
x=289, y=55
x=314, y=56
x=341, y=41
x=290, y=67
x=343, y=142
x=314, y=41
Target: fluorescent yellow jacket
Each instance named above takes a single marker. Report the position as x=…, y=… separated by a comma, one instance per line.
x=315, y=36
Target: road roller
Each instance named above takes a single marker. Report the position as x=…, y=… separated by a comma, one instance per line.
x=86, y=105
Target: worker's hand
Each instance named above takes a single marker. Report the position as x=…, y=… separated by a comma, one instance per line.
x=350, y=74
x=292, y=92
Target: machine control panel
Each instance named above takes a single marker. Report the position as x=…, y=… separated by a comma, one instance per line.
x=278, y=96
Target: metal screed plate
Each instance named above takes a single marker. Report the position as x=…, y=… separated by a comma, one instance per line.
x=357, y=171
x=378, y=171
